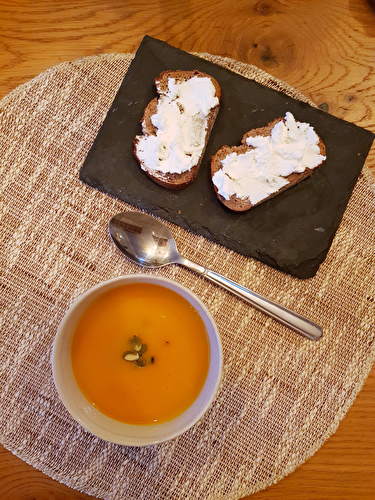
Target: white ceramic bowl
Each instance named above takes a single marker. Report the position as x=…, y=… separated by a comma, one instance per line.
x=98, y=423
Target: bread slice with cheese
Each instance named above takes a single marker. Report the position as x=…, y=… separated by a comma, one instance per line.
x=269, y=160
x=176, y=127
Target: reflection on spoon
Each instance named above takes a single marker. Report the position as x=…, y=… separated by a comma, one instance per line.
x=148, y=242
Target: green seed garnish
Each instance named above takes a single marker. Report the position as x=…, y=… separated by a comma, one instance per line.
x=130, y=356
x=143, y=349
x=136, y=343
x=136, y=354
x=141, y=362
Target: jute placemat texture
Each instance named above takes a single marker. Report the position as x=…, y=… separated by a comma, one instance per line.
x=281, y=395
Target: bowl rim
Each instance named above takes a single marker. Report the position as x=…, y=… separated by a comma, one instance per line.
x=98, y=423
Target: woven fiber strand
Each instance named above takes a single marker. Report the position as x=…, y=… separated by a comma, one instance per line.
x=281, y=395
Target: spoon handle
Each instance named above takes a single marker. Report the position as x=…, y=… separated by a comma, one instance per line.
x=302, y=325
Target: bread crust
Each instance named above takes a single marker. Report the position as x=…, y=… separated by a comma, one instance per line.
x=175, y=181
x=237, y=204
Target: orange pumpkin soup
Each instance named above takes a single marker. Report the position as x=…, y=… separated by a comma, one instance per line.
x=173, y=367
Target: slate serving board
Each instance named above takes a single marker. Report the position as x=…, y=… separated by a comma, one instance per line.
x=291, y=232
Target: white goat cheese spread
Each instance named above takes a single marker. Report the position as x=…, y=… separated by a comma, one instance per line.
x=261, y=171
x=181, y=121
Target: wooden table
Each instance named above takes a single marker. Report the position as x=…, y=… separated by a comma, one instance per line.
x=325, y=49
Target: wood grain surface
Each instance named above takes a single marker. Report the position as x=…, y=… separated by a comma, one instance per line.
x=325, y=49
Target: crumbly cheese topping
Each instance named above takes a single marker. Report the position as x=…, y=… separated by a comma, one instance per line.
x=181, y=122
x=292, y=147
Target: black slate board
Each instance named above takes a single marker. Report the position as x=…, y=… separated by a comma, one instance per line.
x=291, y=232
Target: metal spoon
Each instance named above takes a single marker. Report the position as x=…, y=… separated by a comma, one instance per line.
x=148, y=242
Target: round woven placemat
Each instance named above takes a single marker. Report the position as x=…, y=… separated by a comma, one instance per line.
x=281, y=396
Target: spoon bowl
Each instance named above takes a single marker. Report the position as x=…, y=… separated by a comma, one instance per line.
x=143, y=239
x=149, y=242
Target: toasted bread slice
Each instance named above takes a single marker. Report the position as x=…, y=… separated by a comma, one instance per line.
x=254, y=166
x=174, y=138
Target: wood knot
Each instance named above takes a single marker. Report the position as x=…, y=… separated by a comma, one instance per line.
x=324, y=106
x=268, y=58
x=263, y=8
x=274, y=51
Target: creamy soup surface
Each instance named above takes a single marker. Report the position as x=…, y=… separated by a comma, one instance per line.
x=175, y=361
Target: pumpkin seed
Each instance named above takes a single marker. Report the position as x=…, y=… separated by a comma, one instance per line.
x=143, y=349
x=130, y=356
x=138, y=350
x=136, y=343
